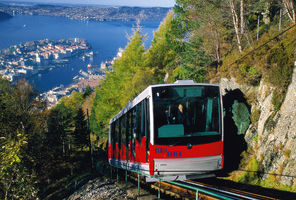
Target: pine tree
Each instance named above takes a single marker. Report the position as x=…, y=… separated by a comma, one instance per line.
x=160, y=56
x=81, y=132
x=19, y=107
x=190, y=59
x=121, y=85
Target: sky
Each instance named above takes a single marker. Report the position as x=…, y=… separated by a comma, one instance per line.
x=142, y=3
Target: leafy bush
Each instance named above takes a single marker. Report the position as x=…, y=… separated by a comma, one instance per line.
x=277, y=99
x=255, y=115
x=240, y=117
x=255, y=139
x=279, y=67
x=250, y=74
x=249, y=175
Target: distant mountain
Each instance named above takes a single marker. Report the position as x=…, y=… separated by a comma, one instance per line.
x=4, y=16
x=91, y=13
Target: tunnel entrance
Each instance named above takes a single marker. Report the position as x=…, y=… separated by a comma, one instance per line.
x=236, y=122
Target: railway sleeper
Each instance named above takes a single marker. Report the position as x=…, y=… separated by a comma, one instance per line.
x=169, y=190
x=172, y=192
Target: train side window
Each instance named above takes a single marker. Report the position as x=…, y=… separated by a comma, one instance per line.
x=129, y=127
x=133, y=130
x=117, y=132
x=134, y=123
x=139, y=121
x=147, y=121
x=143, y=119
x=123, y=129
x=113, y=139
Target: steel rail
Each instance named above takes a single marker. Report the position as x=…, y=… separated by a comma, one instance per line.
x=236, y=191
x=231, y=193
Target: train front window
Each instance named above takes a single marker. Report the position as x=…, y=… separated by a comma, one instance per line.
x=186, y=114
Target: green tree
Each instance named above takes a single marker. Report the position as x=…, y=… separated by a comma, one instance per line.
x=81, y=132
x=212, y=27
x=130, y=75
x=74, y=101
x=19, y=108
x=241, y=117
x=8, y=119
x=87, y=91
x=60, y=128
x=190, y=60
x=160, y=56
x=94, y=124
x=16, y=181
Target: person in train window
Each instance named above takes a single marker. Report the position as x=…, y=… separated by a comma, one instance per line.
x=182, y=116
x=167, y=115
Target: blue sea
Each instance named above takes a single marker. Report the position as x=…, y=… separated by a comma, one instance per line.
x=105, y=38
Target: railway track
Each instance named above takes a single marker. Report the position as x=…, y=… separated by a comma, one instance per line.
x=209, y=189
x=180, y=190
x=229, y=193
x=188, y=190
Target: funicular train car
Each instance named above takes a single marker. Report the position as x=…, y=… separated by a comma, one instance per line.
x=170, y=131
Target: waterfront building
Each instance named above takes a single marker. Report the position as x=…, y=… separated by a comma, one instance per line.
x=38, y=59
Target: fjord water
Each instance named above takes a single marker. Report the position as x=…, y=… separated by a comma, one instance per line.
x=105, y=38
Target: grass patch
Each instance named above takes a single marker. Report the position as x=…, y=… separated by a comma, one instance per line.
x=250, y=74
x=255, y=139
x=278, y=98
x=249, y=175
x=252, y=175
x=255, y=115
x=270, y=123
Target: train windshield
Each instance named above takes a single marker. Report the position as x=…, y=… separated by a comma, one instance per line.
x=186, y=114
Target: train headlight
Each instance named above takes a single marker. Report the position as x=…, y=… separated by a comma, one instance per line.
x=189, y=146
x=219, y=165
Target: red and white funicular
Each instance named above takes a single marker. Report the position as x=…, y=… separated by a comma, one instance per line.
x=173, y=131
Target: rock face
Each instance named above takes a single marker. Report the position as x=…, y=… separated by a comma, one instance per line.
x=272, y=138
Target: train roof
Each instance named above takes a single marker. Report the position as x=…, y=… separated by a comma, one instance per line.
x=146, y=93
x=183, y=82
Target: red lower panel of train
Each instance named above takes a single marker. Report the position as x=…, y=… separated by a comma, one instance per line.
x=137, y=153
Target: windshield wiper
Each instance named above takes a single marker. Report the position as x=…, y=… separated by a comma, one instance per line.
x=181, y=140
